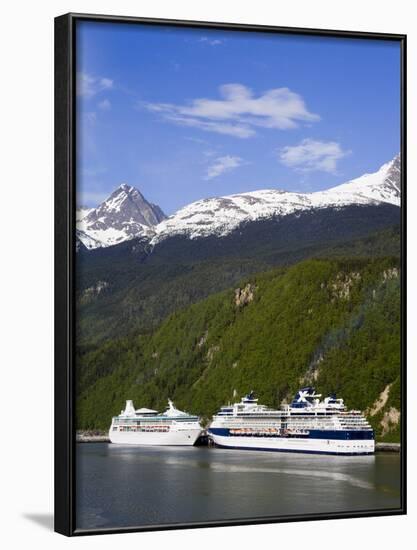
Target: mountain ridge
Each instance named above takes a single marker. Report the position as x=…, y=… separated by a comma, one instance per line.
x=126, y=214
x=146, y=284
x=221, y=215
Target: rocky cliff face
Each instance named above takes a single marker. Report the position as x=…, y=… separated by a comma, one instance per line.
x=245, y=295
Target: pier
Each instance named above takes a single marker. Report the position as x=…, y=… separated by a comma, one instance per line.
x=387, y=447
x=92, y=437
x=205, y=441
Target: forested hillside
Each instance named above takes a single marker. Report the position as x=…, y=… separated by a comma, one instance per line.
x=132, y=287
x=331, y=322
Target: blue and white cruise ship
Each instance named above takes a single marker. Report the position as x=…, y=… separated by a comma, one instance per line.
x=307, y=425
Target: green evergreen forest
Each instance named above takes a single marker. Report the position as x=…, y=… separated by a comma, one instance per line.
x=331, y=321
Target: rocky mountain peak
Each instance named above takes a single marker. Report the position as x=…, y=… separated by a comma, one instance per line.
x=125, y=214
x=126, y=187
x=393, y=177
x=384, y=185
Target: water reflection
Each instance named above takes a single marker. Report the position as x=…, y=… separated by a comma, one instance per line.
x=131, y=486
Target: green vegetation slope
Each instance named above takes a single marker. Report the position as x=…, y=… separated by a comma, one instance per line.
x=131, y=287
x=331, y=322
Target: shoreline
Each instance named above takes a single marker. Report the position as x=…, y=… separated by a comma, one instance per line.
x=102, y=437
x=381, y=447
x=92, y=437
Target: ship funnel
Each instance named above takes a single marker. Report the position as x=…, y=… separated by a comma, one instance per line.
x=130, y=409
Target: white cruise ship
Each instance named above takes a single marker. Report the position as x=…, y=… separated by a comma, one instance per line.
x=307, y=425
x=147, y=427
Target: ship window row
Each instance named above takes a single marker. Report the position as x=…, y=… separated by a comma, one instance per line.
x=133, y=421
x=289, y=425
x=283, y=414
x=117, y=420
x=267, y=422
x=286, y=414
x=144, y=424
x=307, y=421
x=147, y=429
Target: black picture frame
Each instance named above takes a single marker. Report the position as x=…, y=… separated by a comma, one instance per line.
x=65, y=206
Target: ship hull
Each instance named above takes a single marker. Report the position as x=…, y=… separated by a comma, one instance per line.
x=171, y=438
x=296, y=445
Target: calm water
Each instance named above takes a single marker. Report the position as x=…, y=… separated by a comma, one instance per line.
x=121, y=486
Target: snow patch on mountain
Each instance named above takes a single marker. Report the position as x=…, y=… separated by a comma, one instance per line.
x=383, y=185
x=82, y=239
x=221, y=215
x=82, y=212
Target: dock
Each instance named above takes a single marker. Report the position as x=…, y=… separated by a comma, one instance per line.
x=92, y=437
x=387, y=447
x=204, y=441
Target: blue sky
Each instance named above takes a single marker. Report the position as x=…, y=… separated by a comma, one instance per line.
x=184, y=114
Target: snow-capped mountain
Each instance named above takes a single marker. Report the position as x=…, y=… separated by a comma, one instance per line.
x=85, y=241
x=124, y=215
x=127, y=214
x=221, y=215
x=82, y=212
x=383, y=185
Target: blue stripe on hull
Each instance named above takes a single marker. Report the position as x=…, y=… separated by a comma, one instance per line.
x=290, y=451
x=344, y=435
x=348, y=435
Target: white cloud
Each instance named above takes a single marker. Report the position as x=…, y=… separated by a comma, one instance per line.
x=88, y=86
x=239, y=112
x=104, y=105
x=221, y=165
x=236, y=130
x=313, y=155
x=211, y=42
